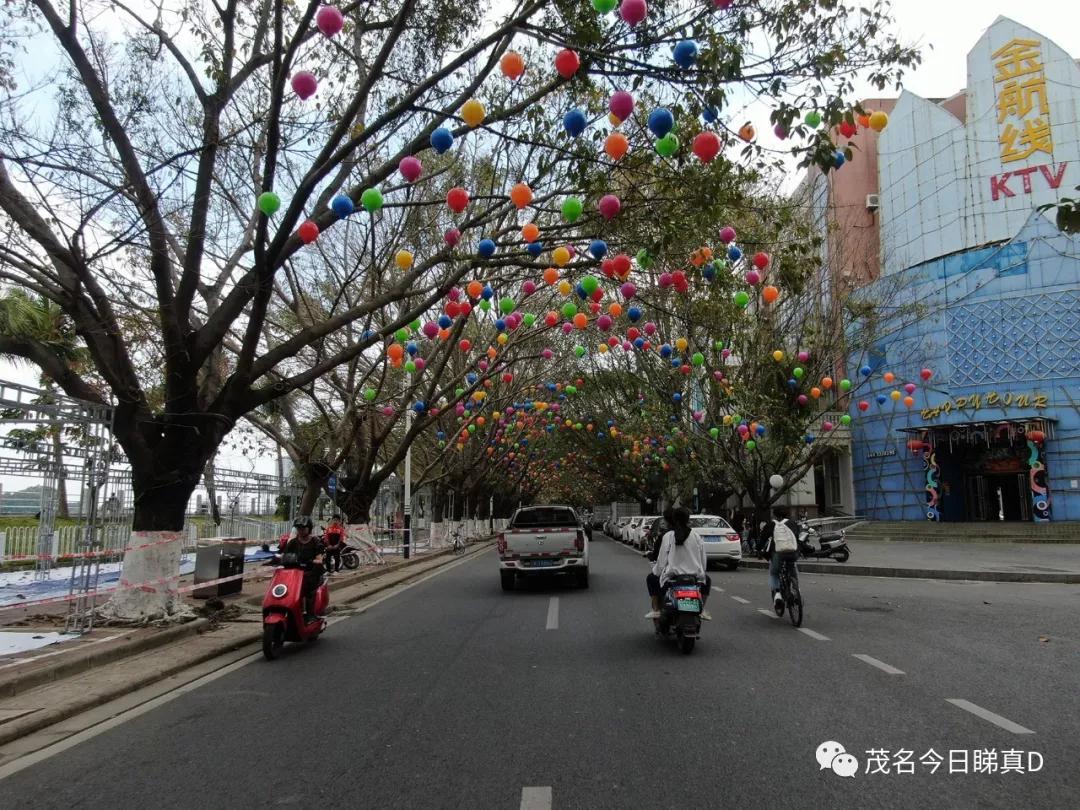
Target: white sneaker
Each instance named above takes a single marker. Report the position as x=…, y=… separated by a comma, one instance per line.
x=706, y=616
x=653, y=614
x=777, y=599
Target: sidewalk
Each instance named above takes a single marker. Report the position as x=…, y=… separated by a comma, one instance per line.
x=995, y=562
x=112, y=662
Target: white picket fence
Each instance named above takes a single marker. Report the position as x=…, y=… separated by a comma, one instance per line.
x=21, y=542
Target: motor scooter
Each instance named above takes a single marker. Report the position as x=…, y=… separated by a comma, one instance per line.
x=831, y=545
x=283, y=609
x=680, y=612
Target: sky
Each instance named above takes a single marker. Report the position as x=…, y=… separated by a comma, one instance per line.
x=945, y=29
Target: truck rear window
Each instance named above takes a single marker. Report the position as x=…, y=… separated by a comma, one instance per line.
x=543, y=517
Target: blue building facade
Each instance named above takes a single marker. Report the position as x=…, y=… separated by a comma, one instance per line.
x=994, y=433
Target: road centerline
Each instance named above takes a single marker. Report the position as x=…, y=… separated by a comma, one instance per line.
x=553, y=614
x=813, y=634
x=874, y=662
x=536, y=798
x=740, y=600
x=989, y=716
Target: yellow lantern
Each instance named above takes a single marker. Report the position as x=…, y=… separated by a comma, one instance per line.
x=502, y=338
x=895, y=396
x=879, y=119
x=681, y=344
x=778, y=356
x=403, y=259
x=560, y=256
x=565, y=287
x=472, y=112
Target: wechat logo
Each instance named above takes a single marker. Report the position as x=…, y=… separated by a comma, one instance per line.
x=831, y=755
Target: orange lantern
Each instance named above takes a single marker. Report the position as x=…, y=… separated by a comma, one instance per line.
x=475, y=289
x=530, y=233
x=581, y=320
x=521, y=195
x=747, y=132
x=909, y=401
x=395, y=351
x=888, y=376
x=815, y=392
x=551, y=275
x=826, y=383
x=615, y=309
x=769, y=293
x=512, y=65
x=616, y=145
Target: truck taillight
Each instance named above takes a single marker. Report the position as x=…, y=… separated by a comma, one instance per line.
x=579, y=541
x=500, y=544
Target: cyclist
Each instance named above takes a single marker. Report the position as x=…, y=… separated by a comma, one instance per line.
x=784, y=530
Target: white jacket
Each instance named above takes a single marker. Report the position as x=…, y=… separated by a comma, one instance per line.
x=675, y=560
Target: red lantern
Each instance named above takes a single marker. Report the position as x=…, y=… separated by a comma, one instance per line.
x=457, y=199
x=761, y=260
x=847, y=129
x=706, y=146
x=1036, y=436
x=308, y=232
x=567, y=63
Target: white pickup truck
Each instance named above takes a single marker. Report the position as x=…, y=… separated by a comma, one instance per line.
x=544, y=540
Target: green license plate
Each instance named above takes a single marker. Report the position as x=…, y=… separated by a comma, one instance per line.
x=691, y=605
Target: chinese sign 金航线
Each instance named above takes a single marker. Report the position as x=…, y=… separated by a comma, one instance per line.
x=990, y=400
x=1023, y=111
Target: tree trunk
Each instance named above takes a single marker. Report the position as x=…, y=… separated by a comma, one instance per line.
x=61, y=479
x=150, y=574
x=356, y=504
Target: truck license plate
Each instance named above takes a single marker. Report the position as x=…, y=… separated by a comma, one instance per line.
x=543, y=563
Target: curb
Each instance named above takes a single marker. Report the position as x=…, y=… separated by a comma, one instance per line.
x=39, y=720
x=924, y=573
x=75, y=664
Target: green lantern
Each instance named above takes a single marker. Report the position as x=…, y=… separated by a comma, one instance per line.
x=410, y=366
x=507, y=305
x=845, y=384
x=668, y=145
x=797, y=373
x=569, y=310
x=530, y=319
x=750, y=444
x=698, y=359
x=813, y=118
x=370, y=394
x=644, y=260
x=742, y=298
x=372, y=200
x=269, y=203
x=589, y=284
x=714, y=432
x=571, y=209
x=401, y=334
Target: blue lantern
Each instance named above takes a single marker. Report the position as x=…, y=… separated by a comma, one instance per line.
x=574, y=123
x=441, y=140
x=342, y=206
x=598, y=248
x=534, y=249
x=445, y=321
x=634, y=314
x=486, y=248
x=734, y=253
x=685, y=53
x=661, y=122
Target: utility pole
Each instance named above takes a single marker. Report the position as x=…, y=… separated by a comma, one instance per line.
x=407, y=523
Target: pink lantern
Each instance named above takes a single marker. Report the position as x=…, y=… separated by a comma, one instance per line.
x=547, y=354
x=665, y=280
x=454, y=294
x=826, y=426
x=910, y=388
x=650, y=328
x=482, y=365
x=725, y=354
x=727, y=234
x=410, y=168
x=780, y=131
x=529, y=287
x=621, y=104
x=609, y=206
x=387, y=411
x=633, y=11
x=329, y=20
x=804, y=356
x=567, y=328
x=604, y=322
x=420, y=363
x=304, y=84
x=718, y=375
x=802, y=400
x=753, y=278
x=431, y=329
x=627, y=345
x=452, y=236
x=628, y=290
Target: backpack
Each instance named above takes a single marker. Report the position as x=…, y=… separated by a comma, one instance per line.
x=784, y=538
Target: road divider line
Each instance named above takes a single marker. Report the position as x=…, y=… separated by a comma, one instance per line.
x=986, y=714
x=869, y=659
x=813, y=634
x=768, y=613
x=740, y=600
x=536, y=798
x=553, y=614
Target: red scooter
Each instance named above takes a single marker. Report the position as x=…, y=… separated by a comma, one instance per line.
x=283, y=609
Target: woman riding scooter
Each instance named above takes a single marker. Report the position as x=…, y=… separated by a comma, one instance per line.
x=308, y=551
x=682, y=553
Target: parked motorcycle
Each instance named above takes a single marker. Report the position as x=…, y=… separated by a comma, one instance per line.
x=831, y=545
x=680, y=613
x=283, y=609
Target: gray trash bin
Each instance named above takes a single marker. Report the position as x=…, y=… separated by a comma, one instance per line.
x=216, y=559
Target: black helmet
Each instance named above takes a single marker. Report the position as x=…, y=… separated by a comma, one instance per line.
x=304, y=522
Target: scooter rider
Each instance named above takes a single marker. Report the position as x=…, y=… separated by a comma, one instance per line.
x=308, y=551
x=767, y=546
x=682, y=553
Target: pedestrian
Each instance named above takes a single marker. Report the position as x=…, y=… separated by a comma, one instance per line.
x=334, y=541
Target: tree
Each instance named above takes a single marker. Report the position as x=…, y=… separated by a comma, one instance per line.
x=133, y=208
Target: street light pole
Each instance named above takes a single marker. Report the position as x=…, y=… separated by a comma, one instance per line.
x=407, y=524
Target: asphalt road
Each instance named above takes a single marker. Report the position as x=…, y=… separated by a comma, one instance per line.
x=454, y=694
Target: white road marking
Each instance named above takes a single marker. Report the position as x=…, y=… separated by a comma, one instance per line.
x=721, y=590
x=813, y=634
x=769, y=613
x=49, y=751
x=985, y=714
x=740, y=600
x=891, y=670
x=536, y=798
x=553, y=614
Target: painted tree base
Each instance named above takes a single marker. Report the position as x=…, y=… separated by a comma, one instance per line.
x=147, y=592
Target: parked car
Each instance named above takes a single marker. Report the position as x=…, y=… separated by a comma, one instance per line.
x=655, y=532
x=722, y=543
x=543, y=540
x=620, y=527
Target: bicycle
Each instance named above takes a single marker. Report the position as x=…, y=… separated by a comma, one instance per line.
x=789, y=591
x=457, y=541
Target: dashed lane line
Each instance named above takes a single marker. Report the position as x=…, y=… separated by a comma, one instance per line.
x=986, y=714
x=536, y=798
x=813, y=634
x=874, y=662
x=553, y=614
x=740, y=600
